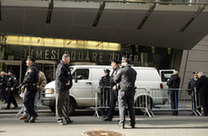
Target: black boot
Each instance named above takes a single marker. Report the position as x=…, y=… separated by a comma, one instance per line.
x=32, y=120
x=28, y=118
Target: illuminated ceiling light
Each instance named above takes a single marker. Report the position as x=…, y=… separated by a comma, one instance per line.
x=39, y=40
x=98, y=44
x=69, y=43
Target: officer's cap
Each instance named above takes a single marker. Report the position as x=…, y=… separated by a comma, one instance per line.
x=115, y=61
x=106, y=70
x=29, y=58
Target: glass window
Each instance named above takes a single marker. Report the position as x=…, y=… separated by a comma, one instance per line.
x=81, y=74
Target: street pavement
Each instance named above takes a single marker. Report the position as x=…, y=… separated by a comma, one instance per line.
x=163, y=124
x=160, y=125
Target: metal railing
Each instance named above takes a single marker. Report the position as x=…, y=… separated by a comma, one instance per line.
x=152, y=100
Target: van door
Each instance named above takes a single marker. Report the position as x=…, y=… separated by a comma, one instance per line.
x=82, y=87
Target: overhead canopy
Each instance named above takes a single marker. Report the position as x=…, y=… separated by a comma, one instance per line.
x=174, y=26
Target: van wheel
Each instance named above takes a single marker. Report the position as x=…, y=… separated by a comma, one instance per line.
x=72, y=106
x=141, y=102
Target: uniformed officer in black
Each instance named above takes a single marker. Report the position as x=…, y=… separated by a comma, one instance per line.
x=113, y=91
x=63, y=83
x=3, y=93
x=30, y=83
x=11, y=88
x=105, y=88
x=126, y=76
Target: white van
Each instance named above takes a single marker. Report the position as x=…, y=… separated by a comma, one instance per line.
x=86, y=81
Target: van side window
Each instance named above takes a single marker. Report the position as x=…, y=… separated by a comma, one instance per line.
x=165, y=75
x=81, y=74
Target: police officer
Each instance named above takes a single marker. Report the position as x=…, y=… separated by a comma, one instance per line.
x=105, y=88
x=10, y=88
x=30, y=83
x=126, y=76
x=113, y=91
x=3, y=81
x=63, y=83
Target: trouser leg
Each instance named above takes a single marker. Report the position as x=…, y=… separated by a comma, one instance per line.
x=205, y=109
x=122, y=107
x=9, y=100
x=113, y=100
x=29, y=102
x=176, y=102
x=62, y=106
x=13, y=100
x=59, y=104
x=130, y=104
x=65, y=109
x=37, y=94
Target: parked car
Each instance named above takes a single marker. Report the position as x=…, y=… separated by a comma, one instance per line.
x=86, y=81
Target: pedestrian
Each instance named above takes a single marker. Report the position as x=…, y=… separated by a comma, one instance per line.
x=63, y=83
x=202, y=88
x=30, y=83
x=11, y=85
x=104, y=84
x=113, y=91
x=194, y=94
x=40, y=86
x=174, y=84
x=126, y=76
x=3, y=81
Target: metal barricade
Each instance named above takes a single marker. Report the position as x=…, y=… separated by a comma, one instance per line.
x=103, y=98
x=151, y=100
x=173, y=100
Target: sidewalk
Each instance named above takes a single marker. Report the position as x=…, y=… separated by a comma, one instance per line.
x=159, y=126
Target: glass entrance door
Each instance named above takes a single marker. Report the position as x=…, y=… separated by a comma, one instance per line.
x=48, y=68
x=16, y=66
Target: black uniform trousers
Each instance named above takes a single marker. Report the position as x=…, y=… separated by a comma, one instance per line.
x=4, y=95
x=29, y=100
x=11, y=99
x=113, y=100
x=126, y=98
x=174, y=101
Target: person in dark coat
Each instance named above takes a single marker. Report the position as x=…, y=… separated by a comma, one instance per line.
x=105, y=89
x=174, y=84
x=193, y=93
x=202, y=88
x=30, y=83
x=11, y=88
x=113, y=91
x=3, y=81
x=126, y=76
x=63, y=83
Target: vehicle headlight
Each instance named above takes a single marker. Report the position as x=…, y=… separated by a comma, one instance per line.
x=49, y=90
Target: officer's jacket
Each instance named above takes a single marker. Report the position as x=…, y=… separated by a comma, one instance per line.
x=126, y=76
x=11, y=82
x=3, y=82
x=191, y=85
x=105, y=81
x=115, y=71
x=31, y=76
x=63, y=76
